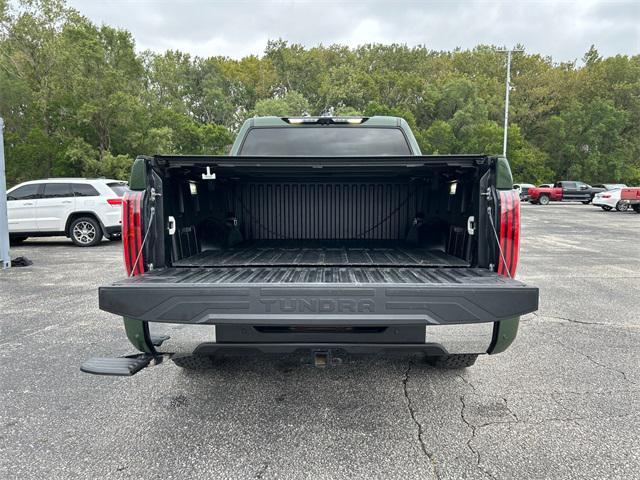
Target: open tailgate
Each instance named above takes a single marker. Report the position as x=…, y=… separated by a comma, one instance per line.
x=319, y=295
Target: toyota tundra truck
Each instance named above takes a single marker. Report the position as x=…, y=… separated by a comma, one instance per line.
x=320, y=236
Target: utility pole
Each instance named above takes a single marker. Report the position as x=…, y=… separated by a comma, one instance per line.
x=5, y=260
x=506, y=99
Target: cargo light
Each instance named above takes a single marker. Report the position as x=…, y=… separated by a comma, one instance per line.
x=298, y=121
x=324, y=120
x=132, y=233
x=509, y=233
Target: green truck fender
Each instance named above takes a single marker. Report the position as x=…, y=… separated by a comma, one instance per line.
x=138, y=334
x=504, y=334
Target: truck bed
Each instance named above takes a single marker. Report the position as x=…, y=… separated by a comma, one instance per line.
x=276, y=295
x=261, y=255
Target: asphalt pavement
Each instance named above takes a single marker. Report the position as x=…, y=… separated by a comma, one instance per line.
x=562, y=402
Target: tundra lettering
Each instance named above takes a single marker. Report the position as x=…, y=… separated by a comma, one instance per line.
x=317, y=305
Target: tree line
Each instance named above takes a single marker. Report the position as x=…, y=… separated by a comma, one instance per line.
x=78, y=100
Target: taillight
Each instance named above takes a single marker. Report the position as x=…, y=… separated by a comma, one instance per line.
x=605, y=196
x=114, y=201
x=509, y=232
x=132, y=232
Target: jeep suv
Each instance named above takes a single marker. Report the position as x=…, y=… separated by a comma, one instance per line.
x=82, y=209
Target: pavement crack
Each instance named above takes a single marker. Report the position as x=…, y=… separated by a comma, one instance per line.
x=539, y=316
x=553, y=397
x=262, y=470
x=582, y=322
x=594, y=361
x=418, y=425
x=473, y=428
x=511, y=412
x=464, y=380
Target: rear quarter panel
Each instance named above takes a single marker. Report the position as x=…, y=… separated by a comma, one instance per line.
x=109, y=215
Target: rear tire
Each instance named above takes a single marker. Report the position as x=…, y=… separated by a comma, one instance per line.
x=544, y=200
x=606, y=208
x=622, y=206
x=195, y=362
x=453, y=361
x=586, y=202
x=16, y=240
x=636, y=207
x=85, y=232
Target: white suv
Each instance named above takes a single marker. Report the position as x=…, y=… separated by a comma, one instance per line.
x=82, y=209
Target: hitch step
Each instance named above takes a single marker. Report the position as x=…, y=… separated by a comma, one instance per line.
x=123, y=366
x=158, y=340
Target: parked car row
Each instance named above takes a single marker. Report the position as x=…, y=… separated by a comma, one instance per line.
x=82, y=209
x=86, y=210
x=607, y=196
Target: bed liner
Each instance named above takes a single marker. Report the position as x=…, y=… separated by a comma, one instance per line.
x=326, y=256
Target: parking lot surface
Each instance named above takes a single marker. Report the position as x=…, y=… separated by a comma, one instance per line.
x=562, y=402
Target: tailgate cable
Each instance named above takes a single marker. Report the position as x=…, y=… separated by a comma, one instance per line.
x=144, y=240
x=495, y=234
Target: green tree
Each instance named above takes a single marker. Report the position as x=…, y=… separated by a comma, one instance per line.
x=290, y=104
x=439, y=139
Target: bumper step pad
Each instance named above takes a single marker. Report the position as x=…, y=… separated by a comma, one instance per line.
x=121, y=367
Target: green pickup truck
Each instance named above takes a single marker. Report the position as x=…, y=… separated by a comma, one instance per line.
x=324, y=235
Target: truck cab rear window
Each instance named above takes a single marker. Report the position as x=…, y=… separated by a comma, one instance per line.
x=325, y=141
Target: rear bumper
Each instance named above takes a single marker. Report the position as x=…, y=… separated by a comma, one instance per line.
x=181, y=339
x=449, y=310
x=113, y=230
x=600, y=202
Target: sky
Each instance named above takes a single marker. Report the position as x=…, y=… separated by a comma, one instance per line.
x=563, y=30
